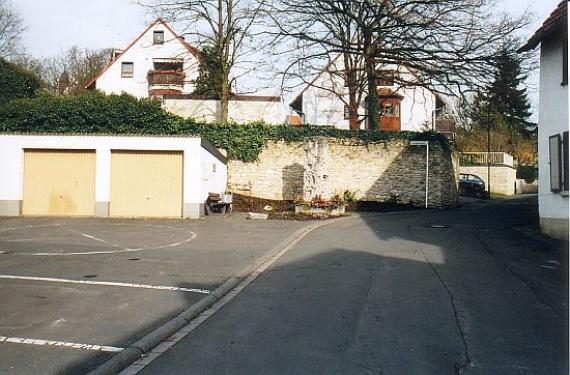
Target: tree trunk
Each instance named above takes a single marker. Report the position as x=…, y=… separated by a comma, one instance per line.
x=224, y=100
x=372, y=77
x=352, y=102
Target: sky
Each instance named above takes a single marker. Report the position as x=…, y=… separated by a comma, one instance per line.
x=55, y=25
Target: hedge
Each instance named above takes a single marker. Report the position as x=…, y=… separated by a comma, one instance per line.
x=96, y=113
x=16, y=82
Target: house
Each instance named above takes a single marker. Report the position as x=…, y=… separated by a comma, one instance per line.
x=157, y=62
x=160, y=63
x=323, y=101
x=553, y=119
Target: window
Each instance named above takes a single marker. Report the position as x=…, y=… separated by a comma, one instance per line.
x=386, y=77
x=388, y=110
x=565, y=64
x=127, y=70
x=158, y=37
x=565, y=176
x=346, y=112
x=174, y=64
x=554, y=151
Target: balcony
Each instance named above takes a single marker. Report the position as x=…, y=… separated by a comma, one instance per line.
x=481, y=158
x=162, y=82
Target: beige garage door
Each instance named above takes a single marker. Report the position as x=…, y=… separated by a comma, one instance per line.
x=59, y=182
x=146, y=184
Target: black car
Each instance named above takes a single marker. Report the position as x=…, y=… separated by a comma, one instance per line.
x=469, y=184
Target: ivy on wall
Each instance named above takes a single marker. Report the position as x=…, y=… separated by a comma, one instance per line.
x=96, y=113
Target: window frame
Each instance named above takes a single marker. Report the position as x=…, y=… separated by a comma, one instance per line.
x=124, y=72
x=554, y=140
x=386, y=77
x=565, y=177
x=155, y=40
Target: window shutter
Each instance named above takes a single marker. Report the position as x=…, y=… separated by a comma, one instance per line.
x=565, y=177
x=555, y=163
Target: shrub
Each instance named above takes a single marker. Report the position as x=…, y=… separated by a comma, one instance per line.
x=15, y=82
x=527, y=173
x=96, y=113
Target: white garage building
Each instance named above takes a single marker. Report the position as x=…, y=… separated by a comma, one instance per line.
x=108, y=176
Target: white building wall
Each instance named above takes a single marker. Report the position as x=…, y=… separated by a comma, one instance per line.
x=239, y=111
x=195, y=157
x=323, y=106
x=553, y=119
x=214, y=175
x=142, y=54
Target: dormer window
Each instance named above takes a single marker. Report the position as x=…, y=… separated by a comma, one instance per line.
x=127, y=70
x=158, y=37
x=386, y=77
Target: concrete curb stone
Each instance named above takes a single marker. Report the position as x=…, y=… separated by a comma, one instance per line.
x=138, y=349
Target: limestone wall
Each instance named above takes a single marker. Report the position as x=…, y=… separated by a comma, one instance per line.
x=375, y=172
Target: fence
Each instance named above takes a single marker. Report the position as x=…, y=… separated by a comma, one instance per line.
x=484, y=158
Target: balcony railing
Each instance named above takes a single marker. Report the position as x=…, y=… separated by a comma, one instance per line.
x=481, y=158
x=165, y=77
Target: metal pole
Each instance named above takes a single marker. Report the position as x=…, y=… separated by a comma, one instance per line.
x=427, y=173
x=488, y=149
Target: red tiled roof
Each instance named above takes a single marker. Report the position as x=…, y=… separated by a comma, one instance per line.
x=556, y=19
x=193, y=50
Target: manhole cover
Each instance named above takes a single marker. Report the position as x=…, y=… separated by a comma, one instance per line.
x=89, y=276
x=438, y=226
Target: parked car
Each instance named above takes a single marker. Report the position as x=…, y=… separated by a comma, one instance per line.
x=470, y=184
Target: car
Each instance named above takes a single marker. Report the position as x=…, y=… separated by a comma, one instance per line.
x=470, y=184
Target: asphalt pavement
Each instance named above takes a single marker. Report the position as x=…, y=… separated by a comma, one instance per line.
x=473, y=290
x=75, y=292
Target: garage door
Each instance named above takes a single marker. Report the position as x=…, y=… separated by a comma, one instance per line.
x=146, y=184
x=59, y=182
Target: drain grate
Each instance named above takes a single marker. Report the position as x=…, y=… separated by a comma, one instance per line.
x=89, y=276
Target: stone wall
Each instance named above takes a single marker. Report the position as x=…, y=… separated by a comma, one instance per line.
x=375, y=172
x=503, y=177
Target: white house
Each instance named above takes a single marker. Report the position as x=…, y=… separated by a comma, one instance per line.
x=409, y=107
x=160, y=63
x=553, y=121
x=157, y=62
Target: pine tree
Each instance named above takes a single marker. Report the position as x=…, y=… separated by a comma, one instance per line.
x=509, y=101
x=504, y=110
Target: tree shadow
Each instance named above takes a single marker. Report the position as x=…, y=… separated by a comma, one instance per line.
x=293, y=181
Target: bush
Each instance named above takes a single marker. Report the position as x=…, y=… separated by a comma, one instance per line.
x=89, y=113
x=528, y=173
x=96, y=113
x=15, y=82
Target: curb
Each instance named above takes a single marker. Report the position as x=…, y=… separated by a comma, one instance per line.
x=137, y=350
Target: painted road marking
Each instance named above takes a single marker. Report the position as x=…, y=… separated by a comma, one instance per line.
x=106, y=283
x=119, y=248
x=63, y=344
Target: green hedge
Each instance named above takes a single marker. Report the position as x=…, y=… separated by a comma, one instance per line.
x=16, y=82
x=95, y=113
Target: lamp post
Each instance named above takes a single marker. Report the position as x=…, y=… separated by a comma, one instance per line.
x=488, y=148
x=424, y=143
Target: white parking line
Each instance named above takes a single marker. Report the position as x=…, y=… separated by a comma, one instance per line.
x=63, y=344
x=106, y=283
x=118, y=248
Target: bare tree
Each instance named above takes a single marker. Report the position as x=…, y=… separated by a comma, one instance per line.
x=69, y=72
x=224, y=25
x=11, y=28
x=449, y=45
